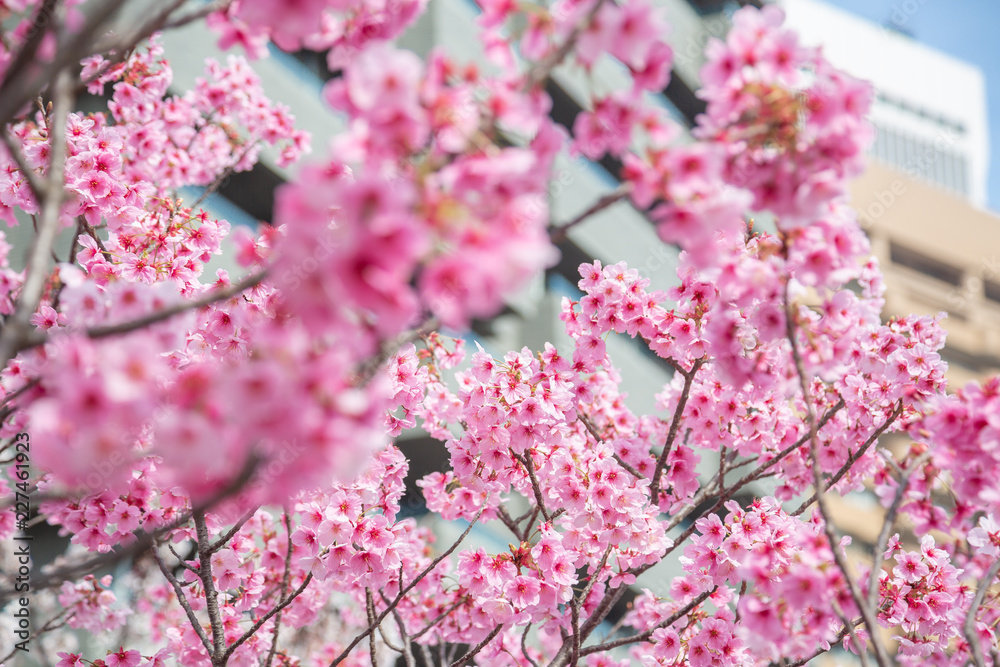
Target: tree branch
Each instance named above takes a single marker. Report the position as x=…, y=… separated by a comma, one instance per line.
x=478, y=647
x=675, y=422
x=211, y=594
x=828, y=528
x=18, y=326
x=182, y=599
x=210, y=297
x=558, y=234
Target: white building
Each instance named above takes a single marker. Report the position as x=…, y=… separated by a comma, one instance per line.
x=930, y=108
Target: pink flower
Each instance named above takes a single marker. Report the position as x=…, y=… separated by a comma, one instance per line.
x=522, y=591
x=123, y=658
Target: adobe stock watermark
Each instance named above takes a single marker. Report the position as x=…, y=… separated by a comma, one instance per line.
x=901, y=13
x=973, y=283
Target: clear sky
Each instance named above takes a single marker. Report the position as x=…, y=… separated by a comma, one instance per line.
x=966, y=29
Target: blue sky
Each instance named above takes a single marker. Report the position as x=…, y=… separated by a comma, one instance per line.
x=966, y=29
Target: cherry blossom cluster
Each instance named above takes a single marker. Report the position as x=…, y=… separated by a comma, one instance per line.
x=244, y=447
x=342, y=29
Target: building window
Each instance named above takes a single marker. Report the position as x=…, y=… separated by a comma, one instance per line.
x=917, y=261
x=991, y=290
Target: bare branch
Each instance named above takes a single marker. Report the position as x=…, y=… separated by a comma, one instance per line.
x=182, y=599
x=558, y=234
x=211, y=594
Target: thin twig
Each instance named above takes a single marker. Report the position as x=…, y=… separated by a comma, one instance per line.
x=558, y=234
x=49, y=626
x=35, y=185
x=210, y=297
x=182, y=599
x=18, y=90
x=440, y=617
x=644, y=636
x=191, y=17
x=266, y=617
x=675, y=422
x=853, y=458
x=222, y=541
x=529, y=464
x=286, y=579
x=524, y=646
x=478, y=647
x=820, y=651
x=887, y=523
x=541, y=70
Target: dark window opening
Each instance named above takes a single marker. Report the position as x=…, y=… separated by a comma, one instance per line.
x=252, y=191
x=991, y=290
x=925, y=264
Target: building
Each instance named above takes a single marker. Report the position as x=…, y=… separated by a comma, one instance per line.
x=921, y=199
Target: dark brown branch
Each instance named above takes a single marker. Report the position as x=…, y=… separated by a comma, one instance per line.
x=210, y=297
x=644, y=636
x=675, y=423
x=182, y=599
x=211, y=594
x=558, y=234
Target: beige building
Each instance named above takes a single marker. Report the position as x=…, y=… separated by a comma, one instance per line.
x=938, y=253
